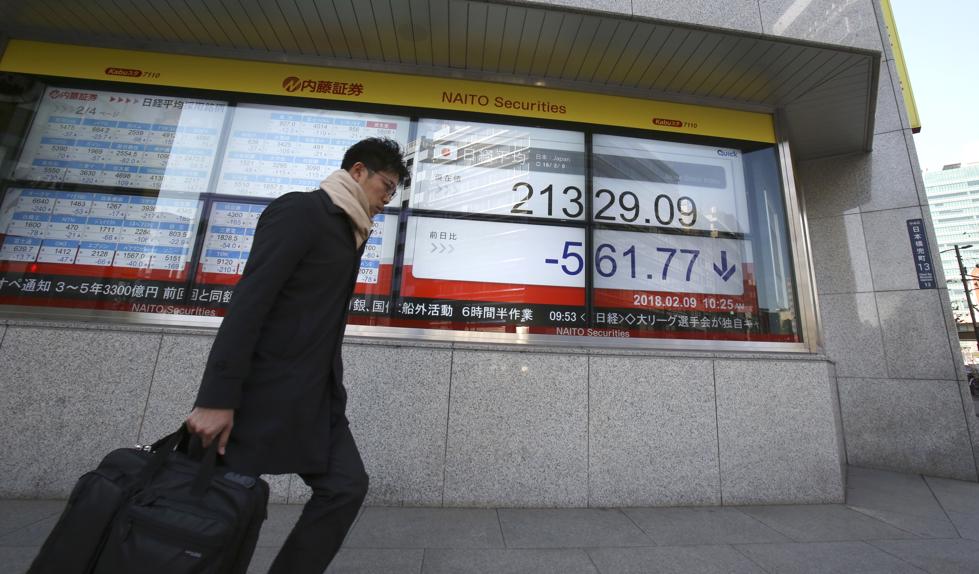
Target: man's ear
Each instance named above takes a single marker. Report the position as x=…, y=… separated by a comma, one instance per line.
x=359, y=172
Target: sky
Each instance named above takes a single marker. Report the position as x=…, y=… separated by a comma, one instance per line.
x=940, y=44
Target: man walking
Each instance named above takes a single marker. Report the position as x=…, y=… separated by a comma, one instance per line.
x=272, y=393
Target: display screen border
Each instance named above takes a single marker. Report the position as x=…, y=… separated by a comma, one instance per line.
x=798, y=245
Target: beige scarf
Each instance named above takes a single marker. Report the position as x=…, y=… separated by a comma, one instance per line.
x=347, y=194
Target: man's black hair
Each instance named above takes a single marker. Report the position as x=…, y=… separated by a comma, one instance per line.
x=378, y=154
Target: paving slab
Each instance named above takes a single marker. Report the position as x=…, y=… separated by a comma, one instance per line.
x=570, y=528
x=824, y=523
x=371, y=561
x=426, y=528
x=825, y=558
x=966, y=524
x=702, y=525
x=278, y=525
x=901, y=500
x=893, y=523
x=673, y=560
x=507, y=561
x=32, y=535
x=17, y=559
x=353, y=561
x=938, y=556
x=262, y=559
x=16, y=514
x=960, y=500
x=955, y=495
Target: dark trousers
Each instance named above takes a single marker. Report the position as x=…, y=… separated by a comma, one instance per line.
x=326, y=518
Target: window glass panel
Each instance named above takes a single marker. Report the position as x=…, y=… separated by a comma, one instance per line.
x=107, y=207
x=482, y=251
x=690, y=242
x=778, y=306
x=668, y=186
x=273, y=150
x=114, y=139
x=495, y=169
x=146, y=203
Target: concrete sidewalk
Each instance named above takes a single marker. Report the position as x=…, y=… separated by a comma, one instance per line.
x=892, y=523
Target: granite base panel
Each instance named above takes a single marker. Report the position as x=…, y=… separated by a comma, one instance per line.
x=163, y=367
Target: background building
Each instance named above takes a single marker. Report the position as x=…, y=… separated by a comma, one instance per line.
x=652, y=253
x=953, y=195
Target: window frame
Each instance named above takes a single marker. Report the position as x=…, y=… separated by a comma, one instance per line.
x=798, y=242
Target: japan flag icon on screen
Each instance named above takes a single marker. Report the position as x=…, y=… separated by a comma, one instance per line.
x=446, y=152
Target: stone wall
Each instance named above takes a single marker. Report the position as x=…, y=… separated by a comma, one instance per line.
x=456, y=425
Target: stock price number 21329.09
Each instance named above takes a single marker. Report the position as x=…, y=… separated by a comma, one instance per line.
x=624, y=207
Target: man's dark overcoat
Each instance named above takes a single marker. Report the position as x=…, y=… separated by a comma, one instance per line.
x=276, y=358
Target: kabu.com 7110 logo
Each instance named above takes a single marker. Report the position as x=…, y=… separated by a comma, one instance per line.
x=292, y=84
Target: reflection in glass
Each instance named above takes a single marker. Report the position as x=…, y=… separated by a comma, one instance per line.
x=122, y=140
x=479, y=274
x=690, y=242
x=492, y=169
x=272, y=150
x=482, y=256
x=146, y=203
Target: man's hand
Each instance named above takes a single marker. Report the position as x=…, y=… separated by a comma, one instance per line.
x=211, y=424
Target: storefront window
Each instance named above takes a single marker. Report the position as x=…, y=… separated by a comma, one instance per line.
x=495, y=232
x=270, y=151
x=690, y=242
x=146, y=204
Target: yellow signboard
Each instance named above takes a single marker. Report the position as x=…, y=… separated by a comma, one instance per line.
x=350, y=85
x=902, y=68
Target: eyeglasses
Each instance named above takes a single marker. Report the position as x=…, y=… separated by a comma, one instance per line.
x=391, y=187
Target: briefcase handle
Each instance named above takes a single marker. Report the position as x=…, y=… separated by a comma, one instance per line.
x=161, y=450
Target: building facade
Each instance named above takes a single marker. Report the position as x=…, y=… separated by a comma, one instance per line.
x=953, y=195
x=651, y=253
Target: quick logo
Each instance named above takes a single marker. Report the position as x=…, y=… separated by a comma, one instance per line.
x=127, y=72
x=291, y=84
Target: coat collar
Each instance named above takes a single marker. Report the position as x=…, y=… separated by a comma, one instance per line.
x=327, y=202
x=332, y=208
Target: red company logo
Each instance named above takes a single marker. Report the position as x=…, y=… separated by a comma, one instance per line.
x=291, y=84
x=128, y=72
x=667, y=123
x=58, y=94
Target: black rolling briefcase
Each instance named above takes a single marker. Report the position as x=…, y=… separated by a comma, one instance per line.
x=157, y=510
